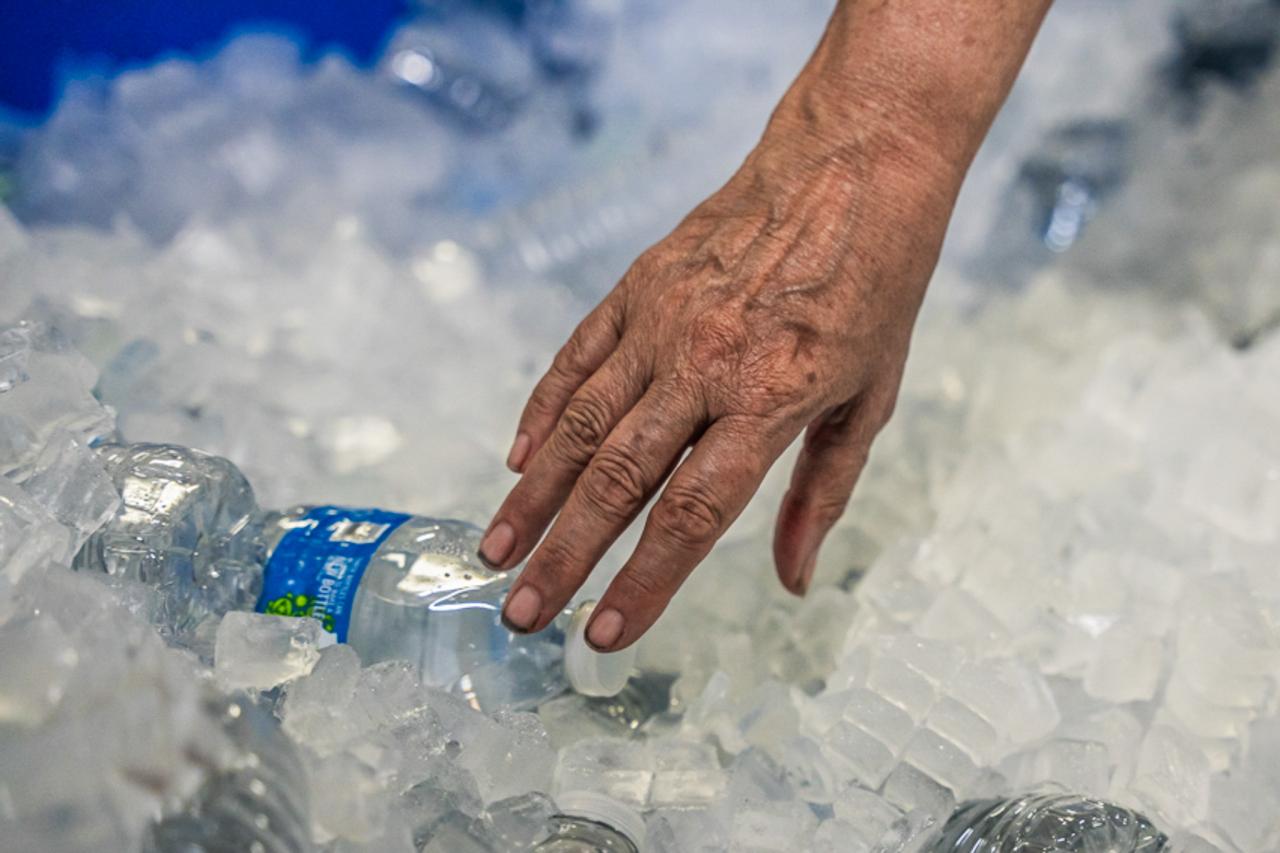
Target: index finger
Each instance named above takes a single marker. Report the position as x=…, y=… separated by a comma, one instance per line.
x=703, y=497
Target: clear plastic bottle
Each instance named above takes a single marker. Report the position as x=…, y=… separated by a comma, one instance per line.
x=590, y=822
x=1048, y=823
x=187, y=526
x=395, y=586
x=258, y=804
x=471, y=66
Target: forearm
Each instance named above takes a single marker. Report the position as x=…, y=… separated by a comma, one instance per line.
x=863, y=159
x=782, y=303
x=918, y=79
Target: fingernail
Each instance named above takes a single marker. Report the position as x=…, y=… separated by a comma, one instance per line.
x=605, y=629
x=523, y=607
x=519, y=450
x=497, y=544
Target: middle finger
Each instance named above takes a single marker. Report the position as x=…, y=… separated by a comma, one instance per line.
x=626, y=470
x=549, y=476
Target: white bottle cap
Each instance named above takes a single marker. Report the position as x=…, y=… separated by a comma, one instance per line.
x=601, y=808
x=589, y=672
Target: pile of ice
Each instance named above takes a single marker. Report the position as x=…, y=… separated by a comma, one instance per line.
x=1062, y=564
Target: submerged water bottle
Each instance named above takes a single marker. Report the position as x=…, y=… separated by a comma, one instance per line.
x=590, y=822
x=1048, y=823
x=393, y=585
x=257, y=803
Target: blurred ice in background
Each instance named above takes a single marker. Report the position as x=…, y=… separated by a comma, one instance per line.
x=1062, y=565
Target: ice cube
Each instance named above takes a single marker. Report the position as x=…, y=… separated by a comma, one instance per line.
x=767, y=827
x=960, y=725
x=55, y=396
x=1080, y=766
x=681, y=830
x=458, y=833
x=1115, y=728
x=868, y=816
x=258, y=651
x=911, y=789
x=754, y=777
x=30, y=538
x=808, y=771
x=69, y=481
x=449, y=790
x=1224, y=485
x=768, y=715
x=1009, y=695
x=957, y=616
x=316, y=708
x=857, y=756
x=518, y=823
x=685, y=775
x=902, y=685
x=1172, y=776
x=36, y=668
x=942, y=761
x=348, y=798
x=838, y=836
x=619, y=769
x=515, y=758
x=893, y=590
x=1127, y=667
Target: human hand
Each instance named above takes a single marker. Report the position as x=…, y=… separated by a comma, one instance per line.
x=783, y=303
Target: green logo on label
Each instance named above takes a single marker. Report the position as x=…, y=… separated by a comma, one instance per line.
x=298, y=605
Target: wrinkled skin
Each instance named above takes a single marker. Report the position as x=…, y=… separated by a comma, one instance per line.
x=783, y=304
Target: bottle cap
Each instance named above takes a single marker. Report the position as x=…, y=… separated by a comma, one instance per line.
x=593, y=673
x=601, y=808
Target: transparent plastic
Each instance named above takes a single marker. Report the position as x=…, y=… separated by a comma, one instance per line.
x=258, y=804
x=189, y=527
x=1048, y=823
x=591, y=822
x=426, y=597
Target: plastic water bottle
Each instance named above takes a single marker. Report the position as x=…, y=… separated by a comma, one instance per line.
x=469, y=65
x=393, y=585
x=259, y=804
x=591, y=822
x=1048, y=823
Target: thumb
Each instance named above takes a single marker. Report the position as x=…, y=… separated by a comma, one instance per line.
x=833, y=455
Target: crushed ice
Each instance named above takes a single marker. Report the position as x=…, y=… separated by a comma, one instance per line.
x=1063, y=563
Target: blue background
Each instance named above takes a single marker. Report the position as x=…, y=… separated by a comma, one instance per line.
x=43, y=41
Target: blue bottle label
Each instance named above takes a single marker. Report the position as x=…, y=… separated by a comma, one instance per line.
x=316, y=568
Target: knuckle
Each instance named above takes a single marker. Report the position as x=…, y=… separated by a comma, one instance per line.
x=583, y=428
x=614, y=483
x=644, y=267
x=642, y=585
x=829, y=508
x=715, y=338
x=555, y=564
x=571, y=361
x=689, y=517
x=541, y=404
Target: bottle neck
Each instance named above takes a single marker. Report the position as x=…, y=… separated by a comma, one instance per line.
x=575, y=834
x=591, y=822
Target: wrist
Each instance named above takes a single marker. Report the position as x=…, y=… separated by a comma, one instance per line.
x=878, y=138
x=914, y=85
